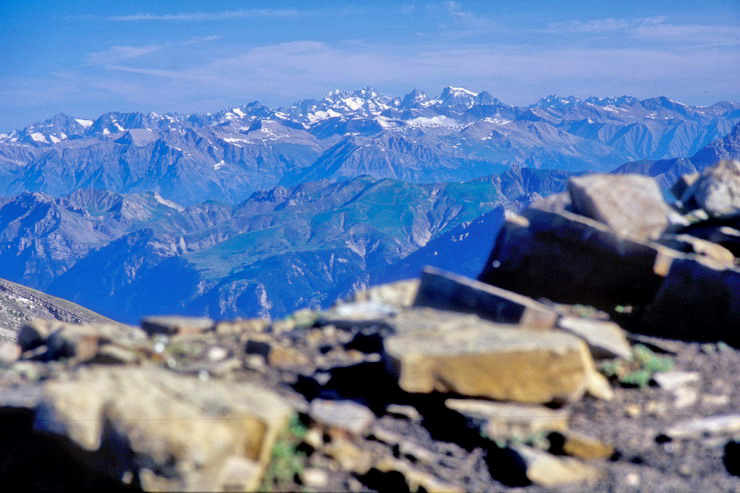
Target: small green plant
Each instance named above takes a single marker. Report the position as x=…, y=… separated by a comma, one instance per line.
x=639, y=369
x=286, y=461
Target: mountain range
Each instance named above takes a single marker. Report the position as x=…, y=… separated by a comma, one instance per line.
x=458, y=135
x=258, y=212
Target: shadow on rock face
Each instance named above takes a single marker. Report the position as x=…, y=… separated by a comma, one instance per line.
x=34, y=461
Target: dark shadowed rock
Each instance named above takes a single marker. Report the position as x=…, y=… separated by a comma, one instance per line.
x=446, y=291
x=698, y=301
x=573, y=259
x=629, y=204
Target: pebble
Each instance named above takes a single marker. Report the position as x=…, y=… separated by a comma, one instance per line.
x=314, y=477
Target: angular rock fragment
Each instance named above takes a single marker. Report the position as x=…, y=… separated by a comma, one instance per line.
x=717, y=190
x=348, y=416
x=176, y=325
x=586, y=447
x=446, y=291
x=630, y=205
x=549, y=471
x=503, y=419
x=169, y=432
x=435, y=350
x=605, y=339
x=572, y=259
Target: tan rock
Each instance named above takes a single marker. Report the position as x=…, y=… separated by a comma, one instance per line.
x=605, y=339
x=286, y=357
x=446, y=352
x=399, y=294
x=242, y=326
x=503, y=419
x=172, y=325
x=205, y=434
x=447, y=291
x=349, y=456
x=550, y=471
x=9, y=352
x=585, y=447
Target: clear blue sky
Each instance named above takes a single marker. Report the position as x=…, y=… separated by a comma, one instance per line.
x=87, y=57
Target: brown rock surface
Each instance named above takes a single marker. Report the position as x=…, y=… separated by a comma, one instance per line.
x=477, y=358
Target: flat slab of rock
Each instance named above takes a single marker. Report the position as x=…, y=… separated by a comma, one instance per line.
x=447, y=291
x=631, y=205
x=176, y=325
x=503, y=419
x=605, y=339
x=349, y=416
x=436, y=350
x=726, y=424
x=167, y=431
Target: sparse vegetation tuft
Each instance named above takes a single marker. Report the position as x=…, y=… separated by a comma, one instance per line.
x=638, y=371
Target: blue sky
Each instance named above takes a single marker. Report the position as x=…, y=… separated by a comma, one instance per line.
x=88, y=57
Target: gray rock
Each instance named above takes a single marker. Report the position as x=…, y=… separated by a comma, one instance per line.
x=446, y=291
x=717, y=190
x=176, y=325
x=631, y=205
x=727, y=424
x=672, y=380
x=503, y=419
x=605, y=339
x=349, y=416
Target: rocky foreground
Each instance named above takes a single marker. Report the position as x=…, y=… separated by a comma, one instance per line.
x=597, y=351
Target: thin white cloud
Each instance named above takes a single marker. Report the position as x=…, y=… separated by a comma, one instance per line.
x=207, y=16
x=119, y=54
x=655, y=29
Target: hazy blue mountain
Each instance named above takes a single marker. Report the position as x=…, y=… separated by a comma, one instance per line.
x=667, y=171
x=126, y=255
x=458, y=135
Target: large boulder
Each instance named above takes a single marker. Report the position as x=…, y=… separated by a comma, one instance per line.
x=717, y=190
x=447, y=352
x=699, y=300
x=629, y=204
x=163, y=431
x=568, y=258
